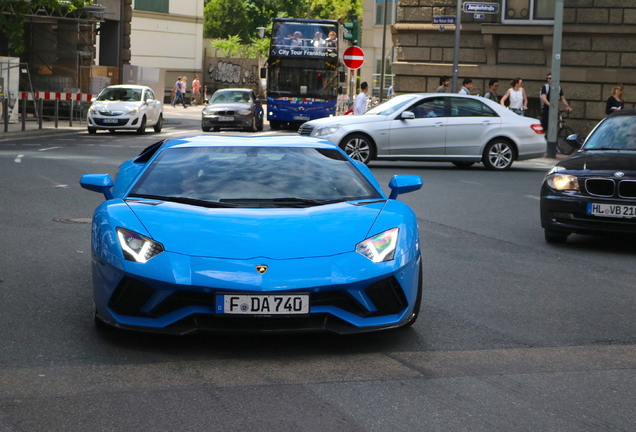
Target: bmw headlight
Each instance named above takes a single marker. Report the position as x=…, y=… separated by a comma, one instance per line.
x=208, y=111
x=132, y=111
x=380, y=247
x=561, y=181
x=326, y=130
x=245, y=112
x=136, y=247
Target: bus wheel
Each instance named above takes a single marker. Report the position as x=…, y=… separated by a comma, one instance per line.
x=359, y=147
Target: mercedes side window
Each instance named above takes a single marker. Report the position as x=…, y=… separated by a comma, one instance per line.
x=469, y=107
x=429, y=108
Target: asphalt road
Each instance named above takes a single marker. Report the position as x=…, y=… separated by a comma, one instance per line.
x=514, y=335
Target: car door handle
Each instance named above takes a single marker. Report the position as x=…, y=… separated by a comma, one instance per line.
x=485, y=122
x=438, y=124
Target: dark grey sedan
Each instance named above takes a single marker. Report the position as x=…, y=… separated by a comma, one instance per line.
x=233, y=108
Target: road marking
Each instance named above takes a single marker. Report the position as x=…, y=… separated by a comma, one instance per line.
x=534, y=197
x=18, y=159
x=49, y=148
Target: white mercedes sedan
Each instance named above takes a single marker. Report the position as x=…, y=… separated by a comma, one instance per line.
x=435, y=127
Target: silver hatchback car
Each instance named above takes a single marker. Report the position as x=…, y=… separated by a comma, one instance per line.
x=435, y=127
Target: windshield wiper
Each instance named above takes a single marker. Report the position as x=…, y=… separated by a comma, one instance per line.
x=184, y=200
x=282, y=202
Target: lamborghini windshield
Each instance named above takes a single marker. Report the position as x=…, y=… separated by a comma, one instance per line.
x=249, y=176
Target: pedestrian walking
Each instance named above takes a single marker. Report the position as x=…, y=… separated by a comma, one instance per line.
x=615, y=102
x=175, y=90
x=196, y=90
x=545, y=102
x=516, y=97
x=491, y=94
x=179, y=88
x=360, y=105
x=467, y=86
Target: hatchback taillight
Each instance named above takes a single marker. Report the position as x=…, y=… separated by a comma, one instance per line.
x=537, y=128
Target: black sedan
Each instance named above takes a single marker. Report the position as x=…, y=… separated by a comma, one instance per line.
x=233, y=108
x=594, y=190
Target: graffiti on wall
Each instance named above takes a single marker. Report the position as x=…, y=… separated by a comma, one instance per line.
x=232, y=73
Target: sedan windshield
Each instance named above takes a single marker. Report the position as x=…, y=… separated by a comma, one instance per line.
x=253, y=177
x=614, y=133
x=120, y=94
x=392, y=105
x=231, y=96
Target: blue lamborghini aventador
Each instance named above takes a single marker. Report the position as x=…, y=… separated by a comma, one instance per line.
x=278, y=233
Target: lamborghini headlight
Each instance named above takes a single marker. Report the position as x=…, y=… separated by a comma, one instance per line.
x=137, y=247
x=380, y=247
x=326, y=130
x=561, y=182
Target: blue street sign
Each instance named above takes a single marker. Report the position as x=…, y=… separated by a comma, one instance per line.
x=443, y=19
x=479, y=16
x=484, y=8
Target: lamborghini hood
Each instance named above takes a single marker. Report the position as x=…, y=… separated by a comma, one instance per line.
x=274, y=233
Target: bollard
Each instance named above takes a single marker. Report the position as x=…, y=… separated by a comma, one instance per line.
x=5, y=114
x=40, y=112
x=24, y=101
x=57, y=110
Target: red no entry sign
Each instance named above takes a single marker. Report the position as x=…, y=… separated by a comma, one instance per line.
x=353, y=57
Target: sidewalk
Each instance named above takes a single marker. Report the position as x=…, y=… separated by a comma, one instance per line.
x=31, y=128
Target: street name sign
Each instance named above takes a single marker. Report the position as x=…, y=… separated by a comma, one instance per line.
x=353, y=57
x=484, y=8
x=444, y=19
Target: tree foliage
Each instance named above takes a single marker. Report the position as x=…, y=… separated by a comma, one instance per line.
x=234, y=23
x=12, y=20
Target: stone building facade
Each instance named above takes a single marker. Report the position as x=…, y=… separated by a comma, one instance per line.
x=598, y=50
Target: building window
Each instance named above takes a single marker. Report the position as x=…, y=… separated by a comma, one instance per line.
x=379, y=12
x=162, y=6
x=528, y=11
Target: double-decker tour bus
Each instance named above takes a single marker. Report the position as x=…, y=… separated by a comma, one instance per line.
x=302, y=71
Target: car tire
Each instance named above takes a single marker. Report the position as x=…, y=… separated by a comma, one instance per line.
x=157, y=127
x=92, y=130
x=252, y=127
x=216, y=129
x=206, y=128
x=275, y=125
x=259, y=127
x=556, y=237
x=498, y=155
x=418, y=303
x=359, y=147
x=142, y=126
x=463, y=165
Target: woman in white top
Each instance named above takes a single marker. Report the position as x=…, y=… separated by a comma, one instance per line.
x=518, y=102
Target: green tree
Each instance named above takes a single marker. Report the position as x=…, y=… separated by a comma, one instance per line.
x=12, y=20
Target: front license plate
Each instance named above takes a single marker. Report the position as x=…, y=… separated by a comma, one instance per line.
x=301, y=118
x=110, y=120
x=262, y=304
x=226, y=118
x=611, y=210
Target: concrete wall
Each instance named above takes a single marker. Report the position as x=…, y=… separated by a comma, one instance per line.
x=598, y=50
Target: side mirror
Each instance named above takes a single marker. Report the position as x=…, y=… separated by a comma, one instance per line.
x=257, y=100
x=575, y=140
x=407, y=115
x=93, y=99
x=401, y=184
x=149, y=100
x=101, y=183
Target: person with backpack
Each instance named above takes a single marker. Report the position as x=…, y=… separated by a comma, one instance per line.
x=544, y=94
x=491, y=94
